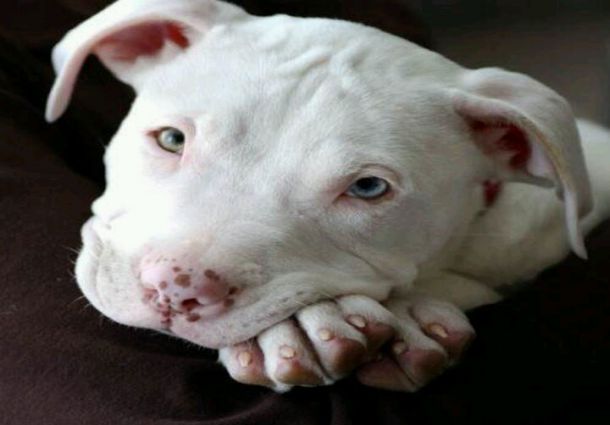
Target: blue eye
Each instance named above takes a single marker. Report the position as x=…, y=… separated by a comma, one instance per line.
x=170, y=139
x=368, y=188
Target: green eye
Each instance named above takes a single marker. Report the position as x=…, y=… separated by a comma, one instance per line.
x=170, y=139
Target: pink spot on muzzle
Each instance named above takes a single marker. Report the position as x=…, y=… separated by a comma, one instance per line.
x=166, y=288
x=183, y=280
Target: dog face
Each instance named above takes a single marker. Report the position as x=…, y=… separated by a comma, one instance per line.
x=268, y=163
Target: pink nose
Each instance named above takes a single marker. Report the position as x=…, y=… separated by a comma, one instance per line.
x=180, y=282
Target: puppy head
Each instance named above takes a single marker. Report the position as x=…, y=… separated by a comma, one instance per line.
x=268, y=163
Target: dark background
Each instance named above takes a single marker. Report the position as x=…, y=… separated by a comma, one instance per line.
x=541, y=357
x=563, y=43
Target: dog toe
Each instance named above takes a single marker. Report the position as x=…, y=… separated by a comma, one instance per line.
x=377, y=334
x=295, y=371
x=339, y=347
x=245, y=363
x=384, y=373
x=455, y=342
x=445, y=324
x=289, y=358
x=421, y=365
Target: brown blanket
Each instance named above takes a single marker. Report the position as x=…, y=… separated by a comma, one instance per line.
x=541, y=356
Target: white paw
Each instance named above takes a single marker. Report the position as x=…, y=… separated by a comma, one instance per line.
x=323, y=343
x=400, y=346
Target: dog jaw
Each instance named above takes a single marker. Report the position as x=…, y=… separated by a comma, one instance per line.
x=108, y=280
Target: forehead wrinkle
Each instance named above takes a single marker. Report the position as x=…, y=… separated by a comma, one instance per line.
x=241, y=69
x=314, y=152
x=318, y=107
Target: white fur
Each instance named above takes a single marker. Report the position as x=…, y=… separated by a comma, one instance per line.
x=281, y=115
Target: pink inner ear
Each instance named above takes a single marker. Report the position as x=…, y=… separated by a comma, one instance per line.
x=142, y=40
x=502, y=139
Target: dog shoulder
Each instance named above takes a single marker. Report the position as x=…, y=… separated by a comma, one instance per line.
x=516, y=238
x=596, y=147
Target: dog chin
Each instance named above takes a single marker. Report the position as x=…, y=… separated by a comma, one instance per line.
x=87, y=265
x=253, y=311
x=101, y=295
x=227, y=329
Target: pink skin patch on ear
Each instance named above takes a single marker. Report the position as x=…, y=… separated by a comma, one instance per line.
x=516, y=142
x=497, y=138
x=491, y=191
x=176, y=35
x=143, y=40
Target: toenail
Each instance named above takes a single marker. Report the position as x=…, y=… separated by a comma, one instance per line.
x=399, y=347
x=244, y=358
x=357, y=321
x=287, y=352
x=438, y=330
x=325, y=335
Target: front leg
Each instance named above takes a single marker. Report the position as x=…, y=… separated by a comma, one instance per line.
x=401, y=346
x=461, y=291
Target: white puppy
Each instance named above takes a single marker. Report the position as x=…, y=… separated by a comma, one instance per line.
x=300, y=192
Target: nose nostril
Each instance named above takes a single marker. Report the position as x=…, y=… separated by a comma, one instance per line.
x=190, y=304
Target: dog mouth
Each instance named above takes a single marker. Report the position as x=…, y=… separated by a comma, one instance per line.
x=212, y=319
x=239, y=316
x=217, y=326
x=191, y=309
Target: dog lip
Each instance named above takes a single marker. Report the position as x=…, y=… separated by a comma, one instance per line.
x=231, y=324
x=204, y=311
x=89, y=264
x=212, y=310
x=215, y=332
x=87, y=231
x=190, y=308
x=95, y=227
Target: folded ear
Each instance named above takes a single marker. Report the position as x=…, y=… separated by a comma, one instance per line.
x=128, y=30
x=530, y=132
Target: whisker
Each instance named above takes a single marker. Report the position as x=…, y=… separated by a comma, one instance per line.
x=82, y=297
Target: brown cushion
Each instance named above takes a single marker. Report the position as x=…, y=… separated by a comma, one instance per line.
x=541, y=356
